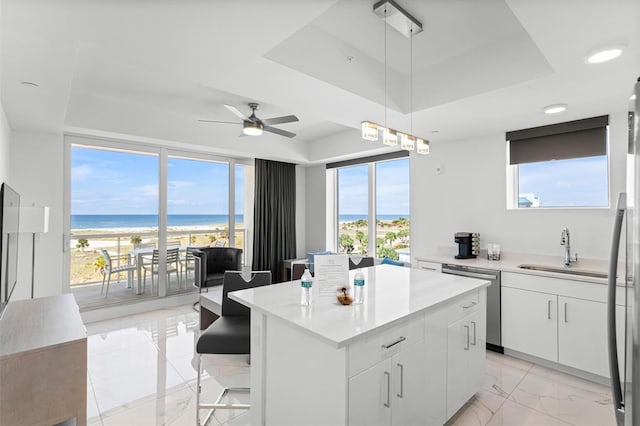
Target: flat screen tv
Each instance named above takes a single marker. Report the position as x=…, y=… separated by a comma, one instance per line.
x=9, y=221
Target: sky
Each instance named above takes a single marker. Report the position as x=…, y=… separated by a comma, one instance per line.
x=115, y=182
x=577, y=182
x=392, y=188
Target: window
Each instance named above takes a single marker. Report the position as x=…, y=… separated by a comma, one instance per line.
x=134, y=201
x=353, y=209
x=372, y=197
x=562, y=165
x=392, y=209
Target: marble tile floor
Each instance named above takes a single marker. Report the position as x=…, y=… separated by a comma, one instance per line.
x=142, y=372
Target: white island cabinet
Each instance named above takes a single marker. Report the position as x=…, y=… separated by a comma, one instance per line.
x=413, y=353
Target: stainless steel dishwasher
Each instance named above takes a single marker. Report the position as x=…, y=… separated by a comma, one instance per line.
x=494, y=332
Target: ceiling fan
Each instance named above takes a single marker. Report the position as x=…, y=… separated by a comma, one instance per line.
x=253, y=126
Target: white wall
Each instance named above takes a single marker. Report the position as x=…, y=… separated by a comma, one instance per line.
x=470, y=196
x=4, y=146
x=37, y=174
x=315, y=209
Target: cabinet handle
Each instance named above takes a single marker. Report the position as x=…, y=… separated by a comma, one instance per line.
x=565, y=313
x=401, y=380
x=467, y=347
x=474, y=333
x=388, y=403
x=469, y=305
x=400, y=339
x=548, y=309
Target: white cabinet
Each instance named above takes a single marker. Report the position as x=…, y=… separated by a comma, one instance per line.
x=466, y=365
x=556, y=326
x=529, y=322
x=582, y=334
x=369, y=396
x=392, y=391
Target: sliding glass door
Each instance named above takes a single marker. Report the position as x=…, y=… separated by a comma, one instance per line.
x=114, y=209
x=197, y=213
x=137, y=212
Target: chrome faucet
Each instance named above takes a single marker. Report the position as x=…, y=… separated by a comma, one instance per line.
x=565, y=241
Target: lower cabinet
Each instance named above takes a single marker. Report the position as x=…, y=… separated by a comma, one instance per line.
x=568, y=330
x=582, y=334
x=428, y=380
x=529, y=322
x=466, y=364
x=392, y=391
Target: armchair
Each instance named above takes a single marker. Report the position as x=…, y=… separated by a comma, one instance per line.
x=212, y=262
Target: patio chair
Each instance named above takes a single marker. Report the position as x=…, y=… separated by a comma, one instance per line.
x=188, y=262
x=173, y=266
x=109, y=269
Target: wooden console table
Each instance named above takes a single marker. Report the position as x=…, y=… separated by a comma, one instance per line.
x=43, y=362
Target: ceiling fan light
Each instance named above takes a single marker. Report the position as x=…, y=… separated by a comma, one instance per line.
x=390, y=137
x=407, y=142
x=422, y=146
x=252, y=129
x=369, y=131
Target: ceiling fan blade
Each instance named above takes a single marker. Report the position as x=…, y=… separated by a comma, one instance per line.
x=278, y=131
x=280, y=120
x=237, y=112
x=216, y=121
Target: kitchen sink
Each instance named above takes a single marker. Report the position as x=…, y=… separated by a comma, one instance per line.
x=568, y=271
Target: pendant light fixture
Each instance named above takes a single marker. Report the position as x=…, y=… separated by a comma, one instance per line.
x=398, y=18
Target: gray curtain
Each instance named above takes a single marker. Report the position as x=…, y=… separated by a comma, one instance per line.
x=274, y=220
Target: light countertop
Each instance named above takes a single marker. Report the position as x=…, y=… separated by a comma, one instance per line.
x=510, y=261
x=393, y=294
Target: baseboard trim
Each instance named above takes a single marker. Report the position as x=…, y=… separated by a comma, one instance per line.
x=558, y=367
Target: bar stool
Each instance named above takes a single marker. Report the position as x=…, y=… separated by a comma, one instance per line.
x=229, y=334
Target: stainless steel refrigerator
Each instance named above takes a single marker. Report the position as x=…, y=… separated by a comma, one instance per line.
x=625, y=370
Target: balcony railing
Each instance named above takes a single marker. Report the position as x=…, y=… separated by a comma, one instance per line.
x=86, y=259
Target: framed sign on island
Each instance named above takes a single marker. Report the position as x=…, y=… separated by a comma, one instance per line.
x=413, y=353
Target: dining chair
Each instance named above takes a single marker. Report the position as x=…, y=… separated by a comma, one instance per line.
x=297, y=269
x=109, y=269
x=229, y=334
x=363, y=263
x=173, y=266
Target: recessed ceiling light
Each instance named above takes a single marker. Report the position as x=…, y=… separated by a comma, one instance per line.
x=435, y=131
x=633, y=97
x=555, y=109
x=29, y=83
x=603, y=55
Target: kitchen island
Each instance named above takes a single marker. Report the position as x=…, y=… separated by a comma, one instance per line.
x=413, y=353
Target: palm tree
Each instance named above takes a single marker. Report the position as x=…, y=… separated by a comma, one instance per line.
x=403, y=234
x=346, y=242
x=391, y=237
x=82, y=243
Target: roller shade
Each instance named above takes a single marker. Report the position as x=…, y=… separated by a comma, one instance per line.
x=573, y=139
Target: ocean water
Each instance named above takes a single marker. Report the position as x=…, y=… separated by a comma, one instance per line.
x=111, y=221
x=114, y=221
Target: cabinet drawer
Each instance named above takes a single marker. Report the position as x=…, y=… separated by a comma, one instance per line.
x=429, y=266
x=369, y=351
x=464, y=306
x=563, y=287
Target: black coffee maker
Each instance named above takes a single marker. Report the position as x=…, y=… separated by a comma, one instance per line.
x=468, y=244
